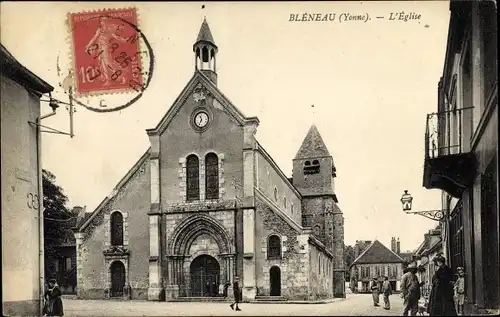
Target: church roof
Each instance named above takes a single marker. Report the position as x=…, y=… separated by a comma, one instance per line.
x=312, y=146
x=87, y=218
x=200, y=78
x=205, y=35
x=376, y=252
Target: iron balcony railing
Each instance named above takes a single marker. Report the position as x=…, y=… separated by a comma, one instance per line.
x=445, y=131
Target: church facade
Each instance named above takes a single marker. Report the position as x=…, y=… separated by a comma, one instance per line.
x=206, y=203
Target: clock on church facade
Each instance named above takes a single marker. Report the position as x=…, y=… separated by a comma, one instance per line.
x=206, y=203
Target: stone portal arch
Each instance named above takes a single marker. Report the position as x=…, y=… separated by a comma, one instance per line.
x=182, y=262
x=196, y=225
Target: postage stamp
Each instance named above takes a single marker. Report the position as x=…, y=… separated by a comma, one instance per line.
x=106, y=53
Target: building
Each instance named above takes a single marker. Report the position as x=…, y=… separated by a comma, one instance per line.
x=375, y=261
x=206, y=203
x=430, y=247
x=462, y=150
x=63, y=267
x=22, y=217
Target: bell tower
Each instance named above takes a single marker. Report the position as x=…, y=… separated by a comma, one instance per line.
x=313, y=176
x=205, y=52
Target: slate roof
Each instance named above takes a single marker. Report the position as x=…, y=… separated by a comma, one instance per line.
x=205, y=35
x=376, y=252
x=407, y=256
x=312, y=146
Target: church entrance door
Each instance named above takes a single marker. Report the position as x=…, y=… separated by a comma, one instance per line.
x=205, y=276
x=275, y=279
x=117, y=278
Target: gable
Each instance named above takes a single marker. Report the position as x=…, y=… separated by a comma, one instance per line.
x=121, y=184
x=200, y=81
x=376, y=252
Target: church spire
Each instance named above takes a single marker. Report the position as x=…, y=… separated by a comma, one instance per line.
x=312, y=146
x=205, y=52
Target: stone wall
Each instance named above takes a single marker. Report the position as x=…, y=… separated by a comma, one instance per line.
x=320, y=274
x=294, y=264
x=223, y=137
x=133, y=201
x=270, y=180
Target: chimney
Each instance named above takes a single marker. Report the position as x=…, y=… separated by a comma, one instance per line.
x=393, y=244
x=398, y=247
x=356, y=249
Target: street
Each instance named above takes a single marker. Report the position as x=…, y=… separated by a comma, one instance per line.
x=353, y=305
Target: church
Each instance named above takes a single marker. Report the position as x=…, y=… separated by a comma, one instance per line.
x=206, y=203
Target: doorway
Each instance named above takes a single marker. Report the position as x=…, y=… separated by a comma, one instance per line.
x=117, y=278
x=275, y=280
x=205, y=276
x=489, y=229
x=393, y=285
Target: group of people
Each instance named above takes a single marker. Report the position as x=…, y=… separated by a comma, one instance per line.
x=447, y=294
x=384, y=288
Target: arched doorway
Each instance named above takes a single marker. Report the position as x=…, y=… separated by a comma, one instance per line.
x=205, y=276
x=275, y=280
x=117, y=278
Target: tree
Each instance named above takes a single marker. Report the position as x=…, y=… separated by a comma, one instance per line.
x=57, y=222
x=348, y=259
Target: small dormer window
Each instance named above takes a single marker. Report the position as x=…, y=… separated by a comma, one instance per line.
x=311, y=168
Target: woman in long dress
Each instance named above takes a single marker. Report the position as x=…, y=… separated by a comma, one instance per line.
x=441, y=301
x=53, y=304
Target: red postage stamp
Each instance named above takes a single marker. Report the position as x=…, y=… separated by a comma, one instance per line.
x=106, y=51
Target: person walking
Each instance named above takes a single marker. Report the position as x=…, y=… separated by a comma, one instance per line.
x=459, y=289
x=387, y=291
x=375, y=292
x=410, y=290
x=441, y=301
x=53, y=302
x=237, y=294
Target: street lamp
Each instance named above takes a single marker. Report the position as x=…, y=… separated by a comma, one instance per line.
x=406, y=200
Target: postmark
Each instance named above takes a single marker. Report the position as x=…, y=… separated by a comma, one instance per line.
x=110, y=56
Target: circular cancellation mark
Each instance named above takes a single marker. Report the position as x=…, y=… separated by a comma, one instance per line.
x=107, y=58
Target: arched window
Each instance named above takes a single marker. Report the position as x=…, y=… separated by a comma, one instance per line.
x=274, y=247
x=291, y=208
x=116, y=228
x=192, y=178
x=275, y=194
x=284, y=202
x=211, y=176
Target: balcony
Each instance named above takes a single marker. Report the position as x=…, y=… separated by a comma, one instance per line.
x=449, y=165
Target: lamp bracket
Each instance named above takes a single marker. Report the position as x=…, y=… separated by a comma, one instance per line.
x=436, y=215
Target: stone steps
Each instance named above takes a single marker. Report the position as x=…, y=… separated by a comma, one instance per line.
x=200, y=299
x=269, y=299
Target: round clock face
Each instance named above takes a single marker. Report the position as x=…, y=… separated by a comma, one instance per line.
x=201, y=119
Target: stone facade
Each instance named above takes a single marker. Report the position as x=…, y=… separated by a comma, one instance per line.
x=207, y=203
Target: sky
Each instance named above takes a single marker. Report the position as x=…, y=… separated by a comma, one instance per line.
x=371, y=83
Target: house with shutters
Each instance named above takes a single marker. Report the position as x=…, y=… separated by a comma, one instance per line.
x=206, y=203
x=376, y=261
